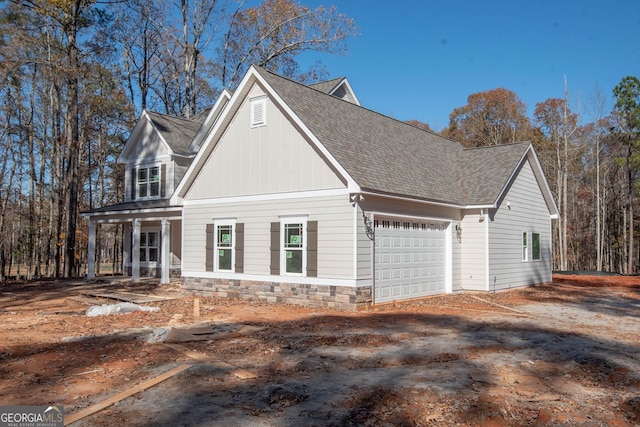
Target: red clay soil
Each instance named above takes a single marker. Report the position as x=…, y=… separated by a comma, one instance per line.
x=567, y=353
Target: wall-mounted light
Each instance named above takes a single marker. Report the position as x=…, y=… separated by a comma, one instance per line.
x=459, y=232
x=509, y=205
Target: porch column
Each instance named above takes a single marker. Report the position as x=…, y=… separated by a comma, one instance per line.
x=126, y=250
x=91, y=256
x=165, y=252
x=135, y=255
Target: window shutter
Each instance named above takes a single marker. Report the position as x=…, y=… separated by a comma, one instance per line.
x=163, y=180
x=134, y=182
x=275, y=248
x=239, y=267
x=312, y=248
x=211, y=234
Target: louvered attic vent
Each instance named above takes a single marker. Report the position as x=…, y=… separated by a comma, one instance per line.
x=258, y=112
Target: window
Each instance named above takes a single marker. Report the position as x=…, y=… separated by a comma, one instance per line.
x=224, y=247
x=149, y=182
x=149, y=247
x=258, y=111
x=525, y=247
x=293, y=246
x=535, y=246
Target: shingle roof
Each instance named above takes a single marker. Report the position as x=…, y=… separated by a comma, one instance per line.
x=326, y=86
x=389, y=156
x=176, y=131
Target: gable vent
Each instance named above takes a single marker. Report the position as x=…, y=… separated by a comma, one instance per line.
x=258, y=112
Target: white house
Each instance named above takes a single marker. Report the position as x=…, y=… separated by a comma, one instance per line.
x=294, y=193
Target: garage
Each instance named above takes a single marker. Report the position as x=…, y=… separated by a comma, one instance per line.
x=410, y=259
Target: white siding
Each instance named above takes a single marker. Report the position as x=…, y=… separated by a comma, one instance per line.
x=275, y=158
x=473, y=253
x=527, y=212
x=149, y=145
x=335, y=232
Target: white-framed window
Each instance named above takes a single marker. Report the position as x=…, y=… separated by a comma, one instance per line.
x=535, y=246
x=148, y=182
x=224, y=245
x=149, y=244
x=531, y=246
x=258, y=111
x=293, y=251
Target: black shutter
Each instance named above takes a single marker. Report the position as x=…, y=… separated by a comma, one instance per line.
x=134, y=183
x=211, y=234
x=163, y=181
x=239, y=267
x=312, y=248
x=275, y=248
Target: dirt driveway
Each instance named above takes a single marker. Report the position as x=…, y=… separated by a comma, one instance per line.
x=564, y=354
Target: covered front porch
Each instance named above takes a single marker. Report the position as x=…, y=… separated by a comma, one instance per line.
x=152, y=240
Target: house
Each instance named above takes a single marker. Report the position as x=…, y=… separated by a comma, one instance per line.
x=291, y=193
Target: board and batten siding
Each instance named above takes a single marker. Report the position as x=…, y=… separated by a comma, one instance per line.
x=151, y=146
x=268, y=159
x=335, y=232
x=522, y=209
x=473, y=253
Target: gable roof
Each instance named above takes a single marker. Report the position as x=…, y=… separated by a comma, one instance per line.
x=333, y=86
x=176, y=132
x=383, y=155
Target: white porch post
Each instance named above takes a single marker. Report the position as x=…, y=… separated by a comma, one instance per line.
x=135, y=256
x=91, y=256
x=165, y=252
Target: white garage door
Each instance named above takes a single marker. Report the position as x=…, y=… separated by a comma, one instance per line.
x=410, y=259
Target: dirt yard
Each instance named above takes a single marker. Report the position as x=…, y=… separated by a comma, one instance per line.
x=563, y=354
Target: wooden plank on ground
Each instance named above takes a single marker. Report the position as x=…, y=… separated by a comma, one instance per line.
x=123, y=395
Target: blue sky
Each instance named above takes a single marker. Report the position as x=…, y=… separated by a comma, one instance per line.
x=421, y=59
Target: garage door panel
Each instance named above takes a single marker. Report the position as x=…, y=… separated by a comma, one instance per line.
x=410, y=259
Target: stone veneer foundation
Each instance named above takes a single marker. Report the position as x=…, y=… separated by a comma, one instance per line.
x=339, y=297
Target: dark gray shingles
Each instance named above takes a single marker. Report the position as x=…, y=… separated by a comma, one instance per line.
x=176, y=131
x=327, y=86
x=380, y=153
x=385, y=155
x=485, y=171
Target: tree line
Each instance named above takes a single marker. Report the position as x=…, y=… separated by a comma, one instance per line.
x=77, y=73
x=590, y=155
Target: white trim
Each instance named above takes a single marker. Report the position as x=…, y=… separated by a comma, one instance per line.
x=212, y=118
x=303, y=280
x=485, y=216
x=238, y=96
x=216, y=248
x=355, y=241
x=267, y=197
x=345, y=82
x=293, y=219
x=127, y=217
x=394, y=215
x=255, y=120
x=351, y=183
x=448, y=285
x=448, y=261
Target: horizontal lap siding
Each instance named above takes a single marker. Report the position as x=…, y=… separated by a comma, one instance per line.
x=473, y=253
x=529, y=213
x=335, y=232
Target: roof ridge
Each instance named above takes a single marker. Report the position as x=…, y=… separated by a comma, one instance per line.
x=358, y=106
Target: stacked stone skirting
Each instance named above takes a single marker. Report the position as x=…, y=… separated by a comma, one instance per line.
x=339, y=297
